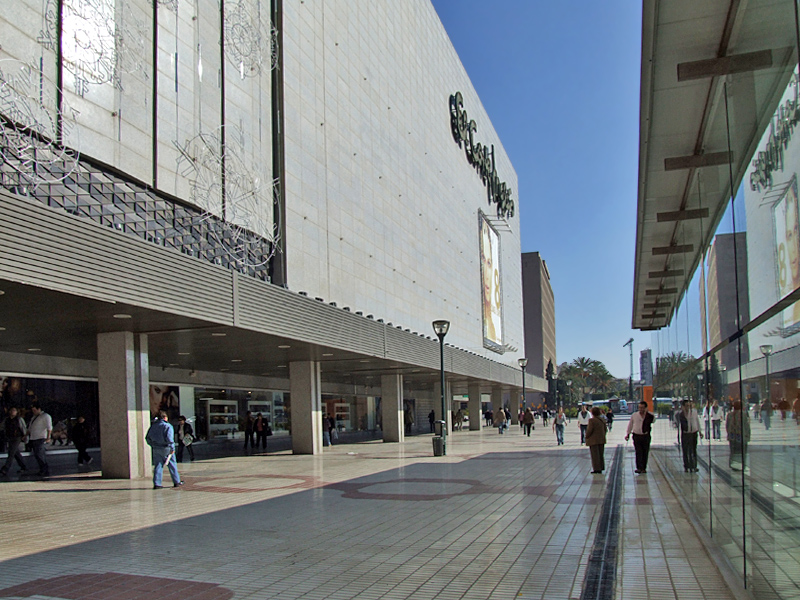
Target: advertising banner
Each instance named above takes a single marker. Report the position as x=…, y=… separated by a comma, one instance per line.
x=491, y=290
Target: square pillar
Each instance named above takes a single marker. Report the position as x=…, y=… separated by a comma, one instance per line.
x=392, y=408
x=123, y=380
x=475, y=415
x=448, y=403
x=306, y=398
x=497, y=399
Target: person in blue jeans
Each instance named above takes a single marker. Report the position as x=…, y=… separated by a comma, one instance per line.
x=161, y=439
x=558, y=425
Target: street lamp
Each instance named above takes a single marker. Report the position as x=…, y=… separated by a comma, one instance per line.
x=569, y=390
x=441, y=327
x=766, y=350
x=523, y=362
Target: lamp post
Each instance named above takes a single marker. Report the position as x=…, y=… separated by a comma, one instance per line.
x=523, y=362
x=441, y=327
x=766, y=350
x=569, y=389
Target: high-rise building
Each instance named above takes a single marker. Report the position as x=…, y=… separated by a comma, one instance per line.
x=721, y=297
x=539, y=313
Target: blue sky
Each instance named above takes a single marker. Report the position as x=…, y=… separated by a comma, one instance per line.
x=560, y=82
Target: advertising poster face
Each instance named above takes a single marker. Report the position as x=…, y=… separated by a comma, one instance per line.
x=787, y=250
x=490, y=289
x=165, y=397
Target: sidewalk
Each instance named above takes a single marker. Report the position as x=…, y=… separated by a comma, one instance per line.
x=499, y=517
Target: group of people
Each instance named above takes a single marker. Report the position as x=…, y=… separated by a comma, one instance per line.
x=256, y=432
x=37, y=433
x=764, y=411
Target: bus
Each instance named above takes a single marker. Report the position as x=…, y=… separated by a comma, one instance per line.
x=617, y=405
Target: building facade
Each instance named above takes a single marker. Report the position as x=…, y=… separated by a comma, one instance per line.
x=717, y=221
x=273, y=198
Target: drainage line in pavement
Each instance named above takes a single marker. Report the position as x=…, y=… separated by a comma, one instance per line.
x=599, y=581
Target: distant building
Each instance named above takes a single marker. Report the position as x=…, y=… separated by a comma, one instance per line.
x=721, y=297
x=539, y=314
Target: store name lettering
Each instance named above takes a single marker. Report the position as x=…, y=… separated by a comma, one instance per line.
x=479, y=156
x=782, y=127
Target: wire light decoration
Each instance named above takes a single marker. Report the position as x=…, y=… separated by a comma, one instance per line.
x=33, y=127
x=250, y=199
x=249, y=38
x=100, y=40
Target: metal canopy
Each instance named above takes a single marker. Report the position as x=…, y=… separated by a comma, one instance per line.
x=712, y=75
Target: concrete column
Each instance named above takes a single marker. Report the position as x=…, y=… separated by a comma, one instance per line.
x=497, y=399
x=123, y=380
x=306, y=398
x=392, y=408
x=448, y=403
x=475, y=414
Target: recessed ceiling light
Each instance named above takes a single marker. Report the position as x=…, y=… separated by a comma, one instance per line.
x=183, y=354
x=174, y=365
x=327, y=354
x=224, y=369
x=282, y=367
x=219, y=334
x=364, y=360
x=284, y=347
x=265, y=374
x=34, y=349
x=122, y=316
x=236, y=360
x=1, y=292
x=2, y=328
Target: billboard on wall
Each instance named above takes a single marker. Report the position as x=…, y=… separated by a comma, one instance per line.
x=786, y=231
x=773, y=224
x=491, y=291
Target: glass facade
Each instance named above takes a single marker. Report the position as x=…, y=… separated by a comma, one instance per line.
x=733, y=343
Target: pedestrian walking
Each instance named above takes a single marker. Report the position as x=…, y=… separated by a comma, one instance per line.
x=690, y=429
x=527, y=421
x=326, y=430
x=81, y=437
x=609, y=415
x=596, y=440
x=545, y=417
x=185, y=438
x=15, y=430
x=262, y=430
x=520, y=416
x=716, y=420
x=161, y=439
x=706, y=417
x=500, y=420
x=640, y=426
x=766, y=413
x=559, y=421
x=39, y=430
x=432, y=419
x=737, y=430
x=583, y=421
x=249, y=421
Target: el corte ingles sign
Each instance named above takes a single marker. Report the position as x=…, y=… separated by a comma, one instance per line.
x=480, y=156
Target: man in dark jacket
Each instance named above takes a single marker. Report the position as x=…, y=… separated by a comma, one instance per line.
x=80, y=437
x=15, y=431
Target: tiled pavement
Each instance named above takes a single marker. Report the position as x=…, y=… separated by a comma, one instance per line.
x=500, y=517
